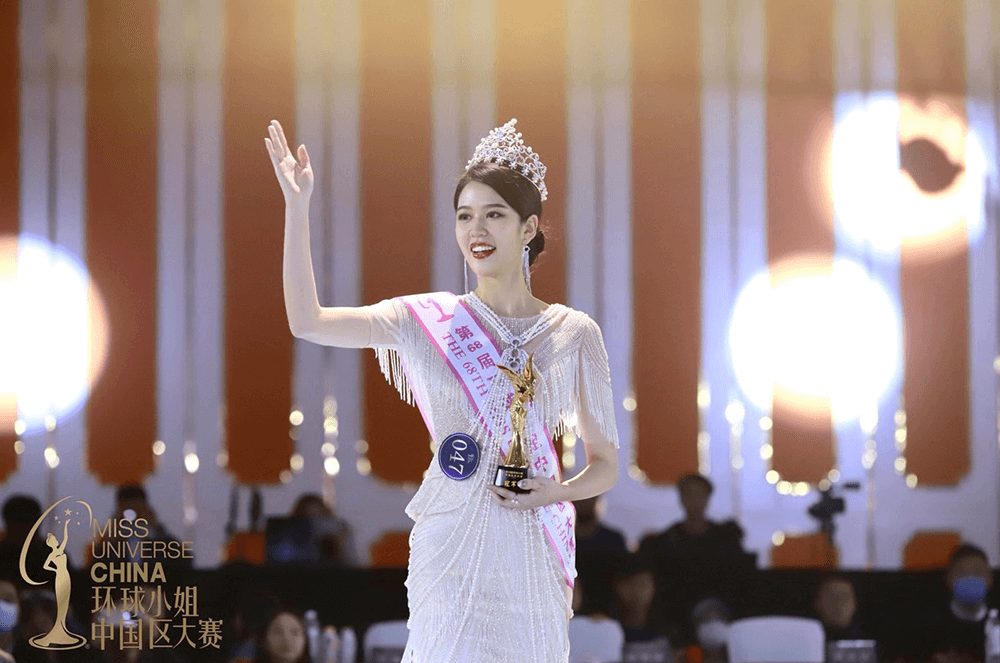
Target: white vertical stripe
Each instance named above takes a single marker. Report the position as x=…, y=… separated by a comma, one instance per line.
x=360, y=499
x=70, y=199
x=883, y=111
x=981, y=487
x=189, y=142
x=851, y=97
x=717, y=296
x=213, y=481
x=171, y=315
x=764, y=510
x=34, y=206
x=629, y=503
x=584, y=85
x=448, y=99
x=312, y=128
x=480, y=62
x=70, y=232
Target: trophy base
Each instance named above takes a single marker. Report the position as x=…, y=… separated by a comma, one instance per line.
x=508, y=476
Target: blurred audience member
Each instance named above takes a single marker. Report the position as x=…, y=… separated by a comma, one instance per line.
x=952, y=629
x=10, y=606
x=577, y=601
x=695, y=535
x=591, y=534
x=283, y=639
x=598, y=548
x=20, y=513
x=710, y=617
x=334, y=534
x=253, y=609
x=836, y=605
x=635, y=587
x=131, y=503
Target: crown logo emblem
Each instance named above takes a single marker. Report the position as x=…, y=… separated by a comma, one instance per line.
x=505, y=147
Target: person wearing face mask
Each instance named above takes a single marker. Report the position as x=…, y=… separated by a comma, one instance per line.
x=9, y=608
x=952, y=630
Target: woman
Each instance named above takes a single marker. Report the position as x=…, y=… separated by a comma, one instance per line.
x=283, y=640
x=333, y=536
x=491, y=568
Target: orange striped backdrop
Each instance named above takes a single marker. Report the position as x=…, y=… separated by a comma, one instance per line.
x=121, y=233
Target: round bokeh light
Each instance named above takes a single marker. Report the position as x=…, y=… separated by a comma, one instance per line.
x=55, y=337
x=908, y=173
x=810, y=332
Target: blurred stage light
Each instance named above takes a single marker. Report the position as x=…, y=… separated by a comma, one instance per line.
x=806, y=332
x=908, y=173
x=54, y=338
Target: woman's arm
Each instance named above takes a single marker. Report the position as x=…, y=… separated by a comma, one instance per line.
x=595, y=423
x=341, y=326
x=62, y=546
x=338, y=326
x=600, y=474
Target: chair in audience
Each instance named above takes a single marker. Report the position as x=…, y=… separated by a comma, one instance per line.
x=776, y=640
x=595, y=640
x=385, y=642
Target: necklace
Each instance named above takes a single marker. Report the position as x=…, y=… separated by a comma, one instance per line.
x=514, y=356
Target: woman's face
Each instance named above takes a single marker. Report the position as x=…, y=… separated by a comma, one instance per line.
x=490, y=233
x=51, y=540
x=836, y=603
x=285, y=639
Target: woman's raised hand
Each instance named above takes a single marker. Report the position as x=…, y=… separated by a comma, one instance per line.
x=294, y=176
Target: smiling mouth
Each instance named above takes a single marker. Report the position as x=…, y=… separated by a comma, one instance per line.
x=480, y=251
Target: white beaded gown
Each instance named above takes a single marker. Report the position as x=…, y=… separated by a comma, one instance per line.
x=484, y=584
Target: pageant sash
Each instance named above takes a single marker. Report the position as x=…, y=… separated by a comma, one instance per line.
x=472, y=356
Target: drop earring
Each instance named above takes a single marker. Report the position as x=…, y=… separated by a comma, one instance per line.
x=526, y=268
x=465, y=273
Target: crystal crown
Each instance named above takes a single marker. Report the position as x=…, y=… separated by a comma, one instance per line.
x=505, y=147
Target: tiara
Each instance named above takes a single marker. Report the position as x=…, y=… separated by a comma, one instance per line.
x=506, y=148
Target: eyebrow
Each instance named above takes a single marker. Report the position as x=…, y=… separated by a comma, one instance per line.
x=487, y=205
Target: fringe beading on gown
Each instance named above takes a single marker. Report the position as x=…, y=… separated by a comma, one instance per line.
x=484, y=585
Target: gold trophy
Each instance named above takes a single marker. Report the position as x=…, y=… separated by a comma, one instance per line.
x=515, y=465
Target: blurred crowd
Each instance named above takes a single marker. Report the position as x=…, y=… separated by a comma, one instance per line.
x=671, y=599
x=675, y=598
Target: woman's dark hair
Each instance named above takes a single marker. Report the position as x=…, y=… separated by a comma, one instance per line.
x=516, y=190
x=967, y=550
x=694, y=478
x=307, y=500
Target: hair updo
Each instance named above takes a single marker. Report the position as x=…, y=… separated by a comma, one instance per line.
x=516, y=190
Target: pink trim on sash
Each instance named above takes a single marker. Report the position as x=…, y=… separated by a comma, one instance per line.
x=458, y=337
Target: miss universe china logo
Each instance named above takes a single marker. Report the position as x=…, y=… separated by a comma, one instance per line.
x=78, y=514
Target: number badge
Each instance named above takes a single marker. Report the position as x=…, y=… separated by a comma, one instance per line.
x=458, y=456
